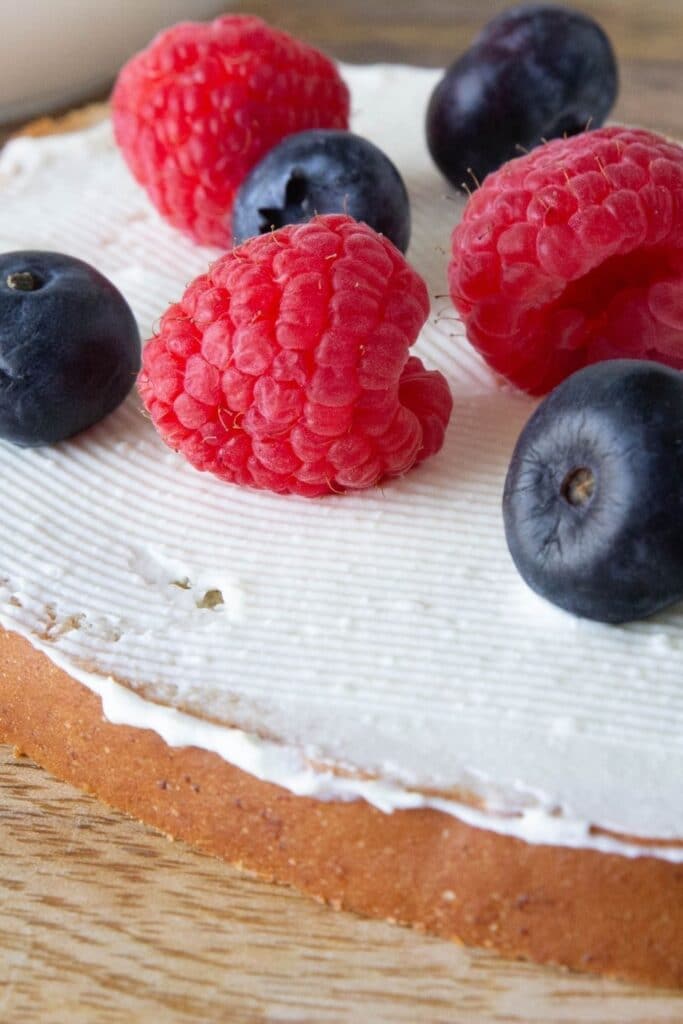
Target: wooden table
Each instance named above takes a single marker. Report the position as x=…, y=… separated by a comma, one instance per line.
x=102, y=920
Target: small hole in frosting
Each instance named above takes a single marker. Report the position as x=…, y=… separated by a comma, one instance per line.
x=183, y=584
x=56, y=627
x=211, y=599
x=70, y=623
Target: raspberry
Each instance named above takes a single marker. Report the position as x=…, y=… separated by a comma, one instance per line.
x=574, y=254
x=286, y=366
x=196, y=110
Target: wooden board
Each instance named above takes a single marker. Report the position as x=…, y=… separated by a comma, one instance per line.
x=103, y=921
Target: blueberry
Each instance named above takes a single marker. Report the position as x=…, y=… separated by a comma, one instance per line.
x=323, y=172
x=593, y=501
x=69, y=347
x=536, y=72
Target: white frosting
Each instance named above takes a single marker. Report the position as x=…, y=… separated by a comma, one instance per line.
x=386, y=634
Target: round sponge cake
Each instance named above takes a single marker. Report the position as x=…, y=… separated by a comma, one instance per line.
x=368, y=701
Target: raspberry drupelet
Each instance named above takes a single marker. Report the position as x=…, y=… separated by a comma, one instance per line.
x=197, y=109
x=574, y=254
x=286, y=367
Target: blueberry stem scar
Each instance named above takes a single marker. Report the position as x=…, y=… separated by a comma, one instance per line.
x=23, y=281
x=578, y=487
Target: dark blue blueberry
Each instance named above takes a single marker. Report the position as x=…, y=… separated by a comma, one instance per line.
x=69, y=347
x=536, y=72
x=319, y=172
x=593, y=501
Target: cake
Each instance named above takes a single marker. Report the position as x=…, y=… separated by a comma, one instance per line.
x=358, y=695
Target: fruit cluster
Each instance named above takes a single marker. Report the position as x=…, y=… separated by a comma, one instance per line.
x=287, y=365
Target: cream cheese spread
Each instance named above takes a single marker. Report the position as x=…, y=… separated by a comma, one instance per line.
x=377, y=646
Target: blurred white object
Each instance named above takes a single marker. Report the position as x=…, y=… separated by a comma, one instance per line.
x=54, y=53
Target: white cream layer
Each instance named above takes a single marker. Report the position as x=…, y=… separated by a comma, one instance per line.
x=385, y=633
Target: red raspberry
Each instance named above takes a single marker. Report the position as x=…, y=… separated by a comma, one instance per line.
x=196, y=110
x=286, y=366
x=574, y=254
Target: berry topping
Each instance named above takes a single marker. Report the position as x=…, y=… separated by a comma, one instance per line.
x=286, y=366
x=536, y=72
x=196, y=110
x=323, y=172
x=574, y=254
x=593, y=500
x=69, y=347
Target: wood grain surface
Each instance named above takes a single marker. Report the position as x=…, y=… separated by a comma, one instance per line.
x=102, y=920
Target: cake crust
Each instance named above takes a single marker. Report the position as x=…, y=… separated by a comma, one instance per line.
x=71, y=121
x=589, y=911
